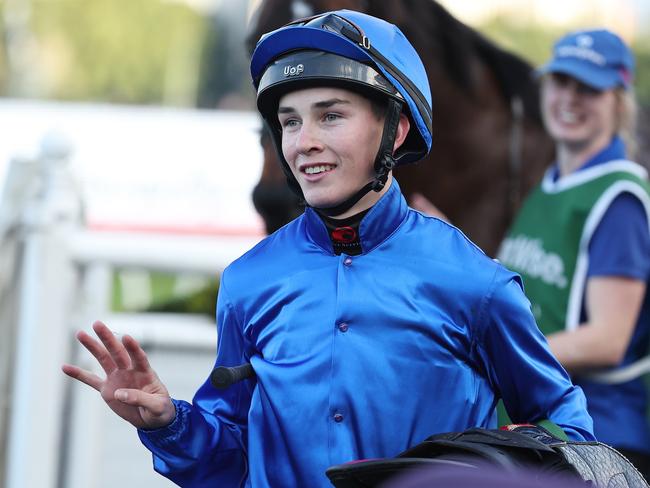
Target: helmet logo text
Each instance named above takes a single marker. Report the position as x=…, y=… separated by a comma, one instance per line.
x=293, y=70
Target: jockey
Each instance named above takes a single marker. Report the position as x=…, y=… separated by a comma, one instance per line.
x=369, y=326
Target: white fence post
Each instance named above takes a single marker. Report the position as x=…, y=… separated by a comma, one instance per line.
x=45, y=289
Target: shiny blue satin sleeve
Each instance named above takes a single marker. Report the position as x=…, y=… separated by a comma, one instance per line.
x=516, y=356
x=205, y=445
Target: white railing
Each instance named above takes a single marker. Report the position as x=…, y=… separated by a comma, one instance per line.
x=55, y=433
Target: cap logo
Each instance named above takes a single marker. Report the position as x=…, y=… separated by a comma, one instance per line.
x=583, y=50
x=294, y=70
x=584, y=40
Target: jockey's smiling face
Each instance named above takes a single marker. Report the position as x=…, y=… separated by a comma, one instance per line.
x=330, y=138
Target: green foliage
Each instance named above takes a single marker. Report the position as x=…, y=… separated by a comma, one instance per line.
x=530, y=41
x=203, y=301
x=125, y=51
x=136, y=290
x=162, y=51
x=3, y=53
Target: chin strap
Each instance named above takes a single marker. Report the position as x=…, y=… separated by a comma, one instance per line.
x=384, y=162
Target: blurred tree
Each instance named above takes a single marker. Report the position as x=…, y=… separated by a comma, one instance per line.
x=156, y=51
x=224, y=80
x=3, y=52
x=125, y=51
x=530, y=41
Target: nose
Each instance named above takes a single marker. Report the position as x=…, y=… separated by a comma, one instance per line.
x=568, y=95
x=573, y=88
x=307, y=140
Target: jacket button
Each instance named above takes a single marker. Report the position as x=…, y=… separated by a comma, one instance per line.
x=347, y=261
x=338, y=417
x=343, y=327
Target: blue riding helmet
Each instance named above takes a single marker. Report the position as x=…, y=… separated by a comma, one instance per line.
x=354, y=51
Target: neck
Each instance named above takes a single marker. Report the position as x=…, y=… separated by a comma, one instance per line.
x=571, y=156
x=367, y=201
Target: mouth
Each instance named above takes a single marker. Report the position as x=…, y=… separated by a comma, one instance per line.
x=568, y=117
x=317, y=169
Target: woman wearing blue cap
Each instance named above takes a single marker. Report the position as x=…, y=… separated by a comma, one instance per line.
x=369, y=326
x=581, y=241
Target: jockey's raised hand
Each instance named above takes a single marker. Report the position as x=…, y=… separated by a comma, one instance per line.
x=131, y=387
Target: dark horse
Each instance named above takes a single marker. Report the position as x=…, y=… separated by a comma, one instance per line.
x=489, y=145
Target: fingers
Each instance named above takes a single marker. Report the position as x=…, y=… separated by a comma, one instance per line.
x=98, y=351
x=110, y=352
x=114, y=347
x=138, y=357
x=86, y=377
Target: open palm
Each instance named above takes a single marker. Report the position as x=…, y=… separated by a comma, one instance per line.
x=131, y=388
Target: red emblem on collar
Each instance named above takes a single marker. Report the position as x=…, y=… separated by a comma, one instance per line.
x=344, y=234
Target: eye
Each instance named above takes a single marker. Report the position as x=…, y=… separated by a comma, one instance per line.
x=289, y=122
x=565, y=82
x=331, y=117
x=587, y=90
x=560, y=79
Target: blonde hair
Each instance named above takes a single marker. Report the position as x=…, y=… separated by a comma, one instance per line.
x=626, y=123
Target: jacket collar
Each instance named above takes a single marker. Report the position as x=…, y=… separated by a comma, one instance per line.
x=378, y=224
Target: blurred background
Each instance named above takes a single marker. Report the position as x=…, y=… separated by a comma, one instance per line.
x=129, y=148
x=190, y=53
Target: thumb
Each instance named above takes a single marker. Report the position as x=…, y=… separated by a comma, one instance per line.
x=156, y=404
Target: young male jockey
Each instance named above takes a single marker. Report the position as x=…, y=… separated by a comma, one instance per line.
x=369, y=325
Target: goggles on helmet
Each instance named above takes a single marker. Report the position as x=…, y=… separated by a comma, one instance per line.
x=360, y=37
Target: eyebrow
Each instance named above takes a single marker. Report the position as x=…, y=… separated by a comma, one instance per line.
x=318, y=105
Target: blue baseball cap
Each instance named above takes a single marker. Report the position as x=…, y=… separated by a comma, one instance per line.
x=598, y=58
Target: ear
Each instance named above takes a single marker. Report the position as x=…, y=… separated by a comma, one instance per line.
x=402, y=130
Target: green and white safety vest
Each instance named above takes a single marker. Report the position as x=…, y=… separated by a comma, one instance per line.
x=548, y=244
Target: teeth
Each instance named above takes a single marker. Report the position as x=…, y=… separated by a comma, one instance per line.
x=569, y=117
x=312, y=170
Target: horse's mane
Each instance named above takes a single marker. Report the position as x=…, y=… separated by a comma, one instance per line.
x=456, y=43
x=270, y=15
x=430, y=27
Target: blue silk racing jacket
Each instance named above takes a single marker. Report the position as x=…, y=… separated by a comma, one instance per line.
x=362, y=356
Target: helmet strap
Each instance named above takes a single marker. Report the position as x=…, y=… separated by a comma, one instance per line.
x=384, y=162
